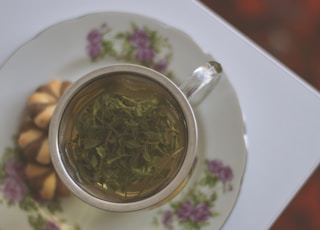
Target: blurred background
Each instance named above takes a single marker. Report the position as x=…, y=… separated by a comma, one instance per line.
x=290, y=31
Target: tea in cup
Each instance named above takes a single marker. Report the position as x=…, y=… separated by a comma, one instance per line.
x=124, y=137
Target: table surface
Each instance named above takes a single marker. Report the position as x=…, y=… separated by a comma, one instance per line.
x=281, y=112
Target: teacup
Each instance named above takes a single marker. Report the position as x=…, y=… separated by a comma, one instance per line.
x=124, y=137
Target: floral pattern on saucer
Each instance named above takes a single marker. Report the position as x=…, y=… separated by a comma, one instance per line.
x=139, y=45
x=193, y=210
x=197, y=205
x=15, y=193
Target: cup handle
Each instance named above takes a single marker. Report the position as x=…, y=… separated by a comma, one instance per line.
x=202, y=79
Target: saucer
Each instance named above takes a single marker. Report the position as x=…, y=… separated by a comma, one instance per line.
x=69, y=50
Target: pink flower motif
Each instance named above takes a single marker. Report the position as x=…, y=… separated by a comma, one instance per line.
x=226, y=174
x=139, y=38
x=144, y=54
x=214, y=167
x=94, y=36
x=217, y=168
x=185, y=210
x=201, y=213
x=94, y=39
x=14, y=189
x=94, y=50
x=161, y=66
x=167, y=218
x=50, y=225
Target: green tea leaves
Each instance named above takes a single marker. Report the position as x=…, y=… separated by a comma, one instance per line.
x=125, y=144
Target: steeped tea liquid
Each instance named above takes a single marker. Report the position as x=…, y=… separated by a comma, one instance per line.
x=127, y=139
